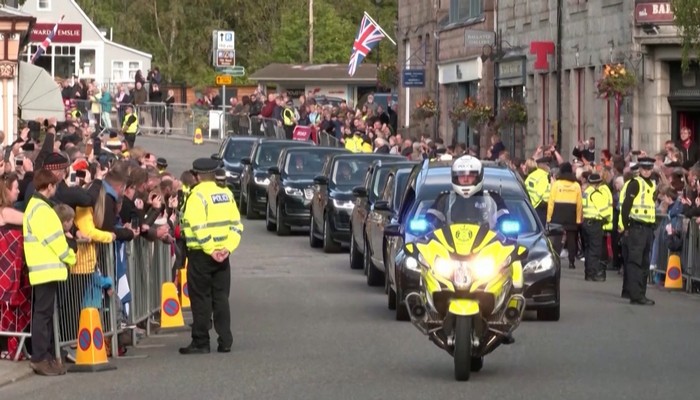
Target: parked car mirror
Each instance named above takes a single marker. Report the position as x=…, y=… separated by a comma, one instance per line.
x=321, y=180
x=359, y=191
x=382, y=205
x=392, y=230
x=215, y=156
x=273, y=170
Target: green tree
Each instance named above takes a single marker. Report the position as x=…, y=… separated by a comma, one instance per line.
x=687, y=19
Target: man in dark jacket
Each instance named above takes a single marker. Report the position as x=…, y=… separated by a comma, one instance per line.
x=72, y=196
x=690, y=153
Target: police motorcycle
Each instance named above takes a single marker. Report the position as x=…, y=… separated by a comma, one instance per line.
x=471, y=278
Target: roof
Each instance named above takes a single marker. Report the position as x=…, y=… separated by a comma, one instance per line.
x=336, y=73
x=10, y=12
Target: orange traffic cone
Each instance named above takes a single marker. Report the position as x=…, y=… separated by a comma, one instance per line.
x=170, y=311
x=91, y=354
x=184, y=289
x=198, y=139
x=674, y=276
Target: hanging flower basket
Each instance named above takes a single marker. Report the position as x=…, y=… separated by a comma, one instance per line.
x=426, y=108
x=388, y=76
x=512, y=113
x=458, y=114
x=477, y=114
x=616, y=82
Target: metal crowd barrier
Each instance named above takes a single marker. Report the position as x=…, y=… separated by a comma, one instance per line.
x=148, y=266
x=689, y=255
x=328, y=140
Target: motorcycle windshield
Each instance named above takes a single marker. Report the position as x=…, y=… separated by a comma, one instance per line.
x=476, y=210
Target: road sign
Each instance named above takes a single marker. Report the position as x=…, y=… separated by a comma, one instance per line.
x=226, y=40
x=223, y=80
x=225, y=58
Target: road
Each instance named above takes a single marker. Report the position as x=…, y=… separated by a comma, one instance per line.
x=308, y=327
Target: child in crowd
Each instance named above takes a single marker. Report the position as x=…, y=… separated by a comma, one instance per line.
x=66, y=215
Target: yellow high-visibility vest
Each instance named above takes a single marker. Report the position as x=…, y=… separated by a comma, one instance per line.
x=643, y=207
x=538, y=186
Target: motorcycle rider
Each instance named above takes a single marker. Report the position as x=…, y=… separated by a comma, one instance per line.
x=468, y=201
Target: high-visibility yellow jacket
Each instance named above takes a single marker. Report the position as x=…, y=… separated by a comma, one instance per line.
x=46, y=250
x=565, y=206
x=597, y=205
x=87, y=254
x=211, y=220
x=538, y=187
x=131, y=125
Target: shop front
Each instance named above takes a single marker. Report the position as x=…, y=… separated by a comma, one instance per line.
x=510, y=87
x=458, y=81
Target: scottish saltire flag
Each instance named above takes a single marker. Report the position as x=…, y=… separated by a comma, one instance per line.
x=123, y=290
x=47, y=42
x=367, y=38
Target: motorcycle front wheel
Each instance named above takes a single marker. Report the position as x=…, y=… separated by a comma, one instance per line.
x=463, y=347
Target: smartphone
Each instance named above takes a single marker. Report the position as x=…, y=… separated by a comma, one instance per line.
x=19, y=162
x=29, y=146
x=73, y=177
x=8, y=151
x=135, y=222
x=81, y=174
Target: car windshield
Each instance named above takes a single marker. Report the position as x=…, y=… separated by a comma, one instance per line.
x=348, y=173
x=379, y=182
x=237, y=149
x=268, y=153
x=304, y=165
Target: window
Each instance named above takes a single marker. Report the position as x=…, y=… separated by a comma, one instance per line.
x=123, y=71
x=461, y=10
x=43, y=5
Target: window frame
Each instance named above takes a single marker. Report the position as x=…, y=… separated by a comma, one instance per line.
x=455, y=5
x=40, y=8
x=126, y=70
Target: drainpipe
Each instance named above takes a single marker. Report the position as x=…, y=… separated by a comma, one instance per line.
x=560, y=29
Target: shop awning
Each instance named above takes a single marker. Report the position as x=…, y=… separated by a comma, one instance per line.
x=39, y=96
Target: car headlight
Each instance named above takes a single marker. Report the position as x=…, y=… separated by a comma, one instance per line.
x=233, y=175
x=293, y=191
x=344, y=204
x=262, y=181
x=309, y=193
x=540, y=265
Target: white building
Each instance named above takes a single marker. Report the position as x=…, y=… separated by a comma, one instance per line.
x=80, y=48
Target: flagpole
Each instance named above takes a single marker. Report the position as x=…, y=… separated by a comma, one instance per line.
x=380, y=29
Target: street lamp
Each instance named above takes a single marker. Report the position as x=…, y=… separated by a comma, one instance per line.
x=377, y=3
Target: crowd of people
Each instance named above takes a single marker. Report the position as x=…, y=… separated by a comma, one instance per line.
x=66, y=189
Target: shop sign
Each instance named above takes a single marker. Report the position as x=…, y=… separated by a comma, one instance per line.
x=67, y=33
x=542, y=51
x=511, y=73
x=659, y=12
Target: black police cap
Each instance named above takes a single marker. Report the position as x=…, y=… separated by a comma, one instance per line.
x=204, y=165
x=594, y=178
x=161, y=162
x=646, y=162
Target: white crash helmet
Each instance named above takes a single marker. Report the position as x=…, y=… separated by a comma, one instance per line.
x=467, y=165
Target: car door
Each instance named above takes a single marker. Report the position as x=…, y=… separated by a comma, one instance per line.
x=275, y=185
x=359, y=214
x=317, y=204
x=247, y=174
x=379, y=219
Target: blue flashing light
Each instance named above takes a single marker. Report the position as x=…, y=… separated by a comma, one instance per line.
x=418, y=225
x=510, y=227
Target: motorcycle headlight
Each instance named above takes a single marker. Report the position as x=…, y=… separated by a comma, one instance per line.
x=444, y=267
x=343, y=204
x=293, y=191
x=412, y=264
x=484, y=268
x=262, y=181
x=540, y=265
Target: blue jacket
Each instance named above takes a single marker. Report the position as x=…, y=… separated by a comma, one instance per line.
x=93, y=292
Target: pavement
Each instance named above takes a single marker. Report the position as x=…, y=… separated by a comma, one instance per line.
x=306, y=326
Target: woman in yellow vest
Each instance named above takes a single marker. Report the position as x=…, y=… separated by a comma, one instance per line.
x=47, y=255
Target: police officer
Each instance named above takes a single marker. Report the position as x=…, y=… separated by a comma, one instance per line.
x=130, y=126
x=212, y=229
x=161, y=164
x=597, y=214
x=638, y=214
x=538, y=185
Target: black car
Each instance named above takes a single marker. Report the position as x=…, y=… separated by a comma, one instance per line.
x=290, y=190
x=256, y=177
x=333, y=200
x=384, y=212
x=365, y=196
x=542, y=270
x=231, y=152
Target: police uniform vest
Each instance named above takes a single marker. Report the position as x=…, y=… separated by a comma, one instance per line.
x=46, y=250
x=76, y=114
x=621, y=198
x=210, y=220
x=133, y=127
x=597, y=204
x=643, y=207
x=288, y=116
x=538, y=187
x=366, y=147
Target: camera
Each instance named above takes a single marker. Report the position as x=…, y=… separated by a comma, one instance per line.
x=82, y=174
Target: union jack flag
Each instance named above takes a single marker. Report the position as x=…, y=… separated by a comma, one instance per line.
x=47, y=42
x=367, y=38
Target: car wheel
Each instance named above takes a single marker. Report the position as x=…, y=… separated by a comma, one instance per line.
x=549, y=314
x=241, y=204
x=250, y=212
x=313, y=240
x=282, y=228
x=269, y=224
x=329, y=246
x=355, y=255
x=374, y=276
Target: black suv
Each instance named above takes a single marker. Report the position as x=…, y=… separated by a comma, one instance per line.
x=541, y=271
x=290, y=190
x=333, y=200
x=365, y=196
x=231, y=152
x=256, y=177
